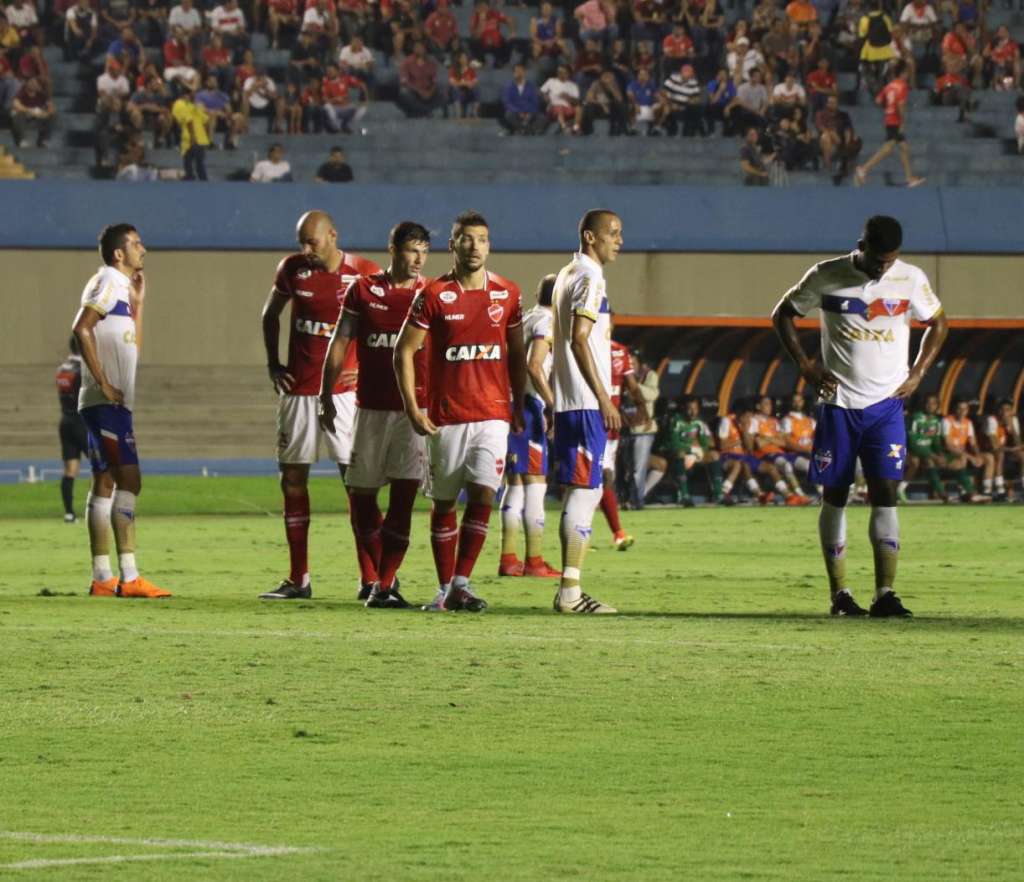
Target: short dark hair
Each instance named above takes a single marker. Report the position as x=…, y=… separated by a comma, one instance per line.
x=407, y=231
x=883, y=234
x=337, y=149
x=686, y=398
x=277, y=145
x=592, y=219
x=111, y=238
x=546, y=290
x=960, y=399
x=1003, y=402
x=468, y=219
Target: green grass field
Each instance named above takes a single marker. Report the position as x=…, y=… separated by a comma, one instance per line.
x=722, y=728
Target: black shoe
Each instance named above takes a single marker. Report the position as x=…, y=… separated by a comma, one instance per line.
x=843, y=604
x=385, y=599
x=365, y=589
x=685, y=501
x=464, y=599
x=887, y=606
x=288, y=590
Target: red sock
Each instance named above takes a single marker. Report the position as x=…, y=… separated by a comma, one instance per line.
x=472, y=537
x=296, y=529
x=395, y=532
x=444, y=536
x=366, y=523
x=610, y=507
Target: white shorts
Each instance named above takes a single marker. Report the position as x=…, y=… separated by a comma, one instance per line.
x=385, y=447
x=467, y=453
x=299, y=435
x=611, y=448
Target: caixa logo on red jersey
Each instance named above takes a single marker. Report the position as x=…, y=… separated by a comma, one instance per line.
x=494, y=312
x=383, y=340
x=315, y=329
x=474, y=352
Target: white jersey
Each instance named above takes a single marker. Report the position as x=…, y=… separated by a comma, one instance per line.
x=580, y=290
x=865, y=324
x=537, y=325
x=108, y=292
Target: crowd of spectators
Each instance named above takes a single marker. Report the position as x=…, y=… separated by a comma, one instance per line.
x=648, y=67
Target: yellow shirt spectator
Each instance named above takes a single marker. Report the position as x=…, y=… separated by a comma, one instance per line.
x=193, y=121
x=869, y=51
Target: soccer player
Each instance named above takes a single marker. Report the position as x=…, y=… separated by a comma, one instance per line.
x=74, y=437
x=584, y=412
x=477, y=370
x=526, y=472
x=925, y=447
x=733, y=454
x=962, y=453
x=798, y=433
x=109, y=332
x=385, y=448
x=768, y=443
x=893, y=99
x=867, y=299
x=622, y=375
x=1002, y=429
x=313, y=281
x=684, y=443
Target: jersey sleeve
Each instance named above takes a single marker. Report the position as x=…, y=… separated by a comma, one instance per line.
x=283, y=279
x=100, y=294
x=923, y=303
x=423, y=309
x=544, y=327
x=723, y=428
x=364, y=266
x=352, y=299
x=585, y=297
x=805, y=295
x=515, y=318
x=947, y=427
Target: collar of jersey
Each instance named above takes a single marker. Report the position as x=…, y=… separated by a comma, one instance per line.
x=588, y=261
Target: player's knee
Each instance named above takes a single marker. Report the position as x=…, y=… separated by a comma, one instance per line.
x=882, y=494
x=102, y=483
x=478, y=494
x=836, y=496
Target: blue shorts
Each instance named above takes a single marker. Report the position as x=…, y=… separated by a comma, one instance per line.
x=528, y=449
x=580, y=437
x=111, y=437
x=752, y=461
x=876, y=434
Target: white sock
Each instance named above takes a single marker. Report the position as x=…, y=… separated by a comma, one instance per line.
x=97, y=511
x=101, y=570
x=785, y=465
x=512, y=507
x=1000, y=483
x=126, y=564
x=986, y=485
x=124, y=507
x=653, y=477
x=753, y=486
x=533, y=506
x=459, y=582
x=574, y=531
x=884, y=529
x=726, y=487
x=832, y=526
x=781, y=487
x=903, y=485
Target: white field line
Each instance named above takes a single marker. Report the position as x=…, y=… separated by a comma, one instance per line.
x=207, y=849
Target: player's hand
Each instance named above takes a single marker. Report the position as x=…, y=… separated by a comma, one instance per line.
x=326, y=413
x=825, y=382
x=138, y=294
x=421, y=422
x=112, y=393
x=282, y=380
x=610, y=415
x=518, y=421
x=909, y=387
x=348, y=378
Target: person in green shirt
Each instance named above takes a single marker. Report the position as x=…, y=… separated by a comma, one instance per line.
x=684, y=441
x=925, y=448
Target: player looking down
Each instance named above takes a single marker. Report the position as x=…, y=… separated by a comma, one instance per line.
x=685, y=442
x=313, y=281
x=925, y=448
x=108, y=328
x=385, y=447
x=866, y=299
x=477, y=368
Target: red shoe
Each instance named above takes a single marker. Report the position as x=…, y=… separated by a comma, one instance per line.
x=765, y=498
x=797, y=499
x=540, y=568
x=510, y=565
x=140, y=588
x=103, y=589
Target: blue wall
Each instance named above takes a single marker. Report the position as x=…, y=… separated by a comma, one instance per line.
x=69, y=214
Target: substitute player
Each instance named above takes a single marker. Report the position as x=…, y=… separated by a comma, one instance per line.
x=385, y=448
x=798, y=432
x=768, y=443
x=685, y=441
x=108, y=328
x=74, y=437
x=584, y=412
x=866, y=299
x=477, y=370
x=1002, y=429
x=893, y=99
x=924, y=447
x=526, y=473
x=313, y=281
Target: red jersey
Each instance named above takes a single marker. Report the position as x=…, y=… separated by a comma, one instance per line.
x=677, y=47
x=380, y=310
x=622, y=367
x=467, y=348
x=892, y=98
x=316, y=296
x=175, y=54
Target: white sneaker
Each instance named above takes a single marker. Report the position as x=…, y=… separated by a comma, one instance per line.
x=437, y=604
x=584, y=604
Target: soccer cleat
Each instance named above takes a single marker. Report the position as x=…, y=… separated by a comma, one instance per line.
x=888, y=606
x=623, y=541
x=540, y=568
x=437, y=604
x=463, y=599
x=797, y=499
x=139, y=587
x=766, y=497
x=288, y=590
x=583, y=604
x=975, y=498
x=510, y=565
x=915, y=182
x=843, y=604
x=365, y=589
x=69, y=517
x=727, y=499
x=106, y=588
x=685, y=501
x=385, y=598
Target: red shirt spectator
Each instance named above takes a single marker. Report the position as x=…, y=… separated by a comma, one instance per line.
x=892, y=98
x=418, y=73
x=958, y=42
x=32, y=64
x=465, y=79
x=441, y=25
x=486, y=25
x=950, y=81
x=335, y=90
x=214, y=56
x=821, y=79
x=677, y=44
x=1003, y=50
x=176, y=53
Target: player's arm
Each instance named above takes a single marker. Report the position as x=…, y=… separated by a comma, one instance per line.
x=580, y=336
x=409, y=342
x=536, y=356
x=344, y=331
x=137, y=297
x=931, y=343
x=784, y=320
x=84, y=330
x=517, y=371
x=636, y=393
x=272, y=309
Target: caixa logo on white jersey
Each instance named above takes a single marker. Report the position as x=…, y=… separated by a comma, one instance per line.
x=474, y=352
x=315, y=329
x=383, y=340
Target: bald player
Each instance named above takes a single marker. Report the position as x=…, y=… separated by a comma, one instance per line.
x=313, y=281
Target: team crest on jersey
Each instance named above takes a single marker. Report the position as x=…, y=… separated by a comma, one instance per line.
x=304, y=274
x=301, y=292
x=494, y=312
x=499, y=466
x=417, y=306
x=378, y=290
x=823, y=459
x=448, y=296
x=499, y=295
